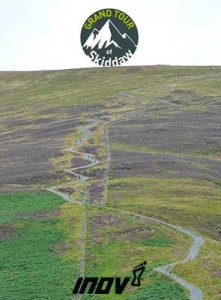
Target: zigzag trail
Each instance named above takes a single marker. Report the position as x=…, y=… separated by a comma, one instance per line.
x=87, y=156
x=194, y=249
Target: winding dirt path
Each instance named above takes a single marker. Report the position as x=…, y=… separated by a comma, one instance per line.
x=86, y=134
x=194, y=249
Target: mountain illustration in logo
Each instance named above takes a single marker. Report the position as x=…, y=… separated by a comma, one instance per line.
x=108, y=37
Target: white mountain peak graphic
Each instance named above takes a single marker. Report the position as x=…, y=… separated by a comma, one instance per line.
x=107, y=36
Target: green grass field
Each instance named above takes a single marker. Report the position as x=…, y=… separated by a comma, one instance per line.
x=31, y=268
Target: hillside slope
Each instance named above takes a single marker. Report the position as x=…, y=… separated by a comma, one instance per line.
x=155, y=132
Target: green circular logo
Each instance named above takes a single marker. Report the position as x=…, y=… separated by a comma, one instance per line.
x=109, y=37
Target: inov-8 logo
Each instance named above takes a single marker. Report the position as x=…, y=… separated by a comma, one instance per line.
x=103, y=285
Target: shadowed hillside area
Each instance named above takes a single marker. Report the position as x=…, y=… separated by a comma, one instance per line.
x=156, y=148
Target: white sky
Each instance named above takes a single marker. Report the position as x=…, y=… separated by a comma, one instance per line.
x=45, y=34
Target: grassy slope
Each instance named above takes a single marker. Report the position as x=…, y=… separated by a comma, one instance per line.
x=33, y=265
x=123, y=93
x=26, y=92
x=189, y=203
x=115, y=243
